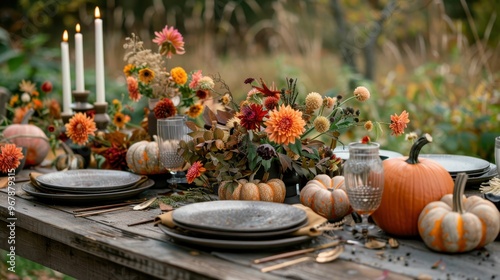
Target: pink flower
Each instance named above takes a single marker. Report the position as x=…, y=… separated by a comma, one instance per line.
x=170, y=41
x=195, y=78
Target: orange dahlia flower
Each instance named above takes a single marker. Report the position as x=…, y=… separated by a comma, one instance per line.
x=285, y=125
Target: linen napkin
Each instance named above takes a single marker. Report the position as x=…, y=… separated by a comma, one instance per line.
x=311, y=228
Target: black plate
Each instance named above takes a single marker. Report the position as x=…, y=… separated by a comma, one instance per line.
x=233, y=244
x=239, y=216
x=476, y=181
x=85, y=198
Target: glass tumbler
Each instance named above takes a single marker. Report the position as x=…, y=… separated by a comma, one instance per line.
x=364, y=180
x=171, y=131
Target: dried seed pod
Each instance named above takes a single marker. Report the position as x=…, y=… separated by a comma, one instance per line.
x=375, y=244
x=330, y=255
x=393, y=243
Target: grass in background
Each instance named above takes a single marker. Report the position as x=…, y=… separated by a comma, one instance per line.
x=28, y=270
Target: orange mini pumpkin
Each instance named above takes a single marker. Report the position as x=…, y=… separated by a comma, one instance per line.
x=326, y=196
x=409, y=185
x=273, y=190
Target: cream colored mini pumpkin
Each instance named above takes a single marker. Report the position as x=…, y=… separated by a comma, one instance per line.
x=143, y=158
x=458, y=224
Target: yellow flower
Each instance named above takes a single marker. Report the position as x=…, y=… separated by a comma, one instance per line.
x=285, y=125
x=13, y=100
x=127, y=69
x=146, y=75
x=120, y=120
x=321, y=124
x=79, y=128
x=179, y=75
x=313, y=101
x=118, y=104
x=195, y=110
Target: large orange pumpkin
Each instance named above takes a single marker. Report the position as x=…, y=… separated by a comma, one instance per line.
x=409, y=185
x=326, y=196
x=457, y=224
x=29, y=136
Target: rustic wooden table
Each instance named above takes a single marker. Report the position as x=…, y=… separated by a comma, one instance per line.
x=104, y=247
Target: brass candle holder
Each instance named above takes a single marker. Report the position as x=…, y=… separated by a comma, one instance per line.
x=101, y=117
x=81, y=104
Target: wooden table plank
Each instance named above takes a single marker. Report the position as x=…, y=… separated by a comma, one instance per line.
x=150, y=256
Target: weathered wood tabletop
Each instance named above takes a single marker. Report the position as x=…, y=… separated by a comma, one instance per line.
x=104, y=247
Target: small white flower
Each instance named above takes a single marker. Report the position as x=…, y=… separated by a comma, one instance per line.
x=25, y=97
x=206, y=83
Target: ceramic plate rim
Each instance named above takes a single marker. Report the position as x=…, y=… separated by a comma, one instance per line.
x=131, y=179
x=234, y=244
x=94, y=197
x=481, y=163
x=186, y=212
x=237, y=234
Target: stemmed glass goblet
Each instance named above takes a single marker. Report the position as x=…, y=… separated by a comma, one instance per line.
x=364, y=181
x=171, y=131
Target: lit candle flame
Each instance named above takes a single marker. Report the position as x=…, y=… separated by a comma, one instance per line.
x=65, y=36
x=97, y=13
x=77, y=28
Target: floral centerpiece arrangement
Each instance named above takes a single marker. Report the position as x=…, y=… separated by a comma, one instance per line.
x=176, y=91
x=272, y=128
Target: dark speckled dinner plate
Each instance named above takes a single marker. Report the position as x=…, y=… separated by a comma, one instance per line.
x=234, y=244
x=239, y=216
x=455, y=164
x=88, y=180
x=85, y=198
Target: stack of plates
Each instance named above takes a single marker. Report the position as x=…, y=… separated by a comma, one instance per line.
x=477, y=169
x=87, y=185
x=238, y=224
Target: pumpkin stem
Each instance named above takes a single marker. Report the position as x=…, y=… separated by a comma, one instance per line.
x=458, y=193
x=27, y=116
x=66, y=148
x=417, y=146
